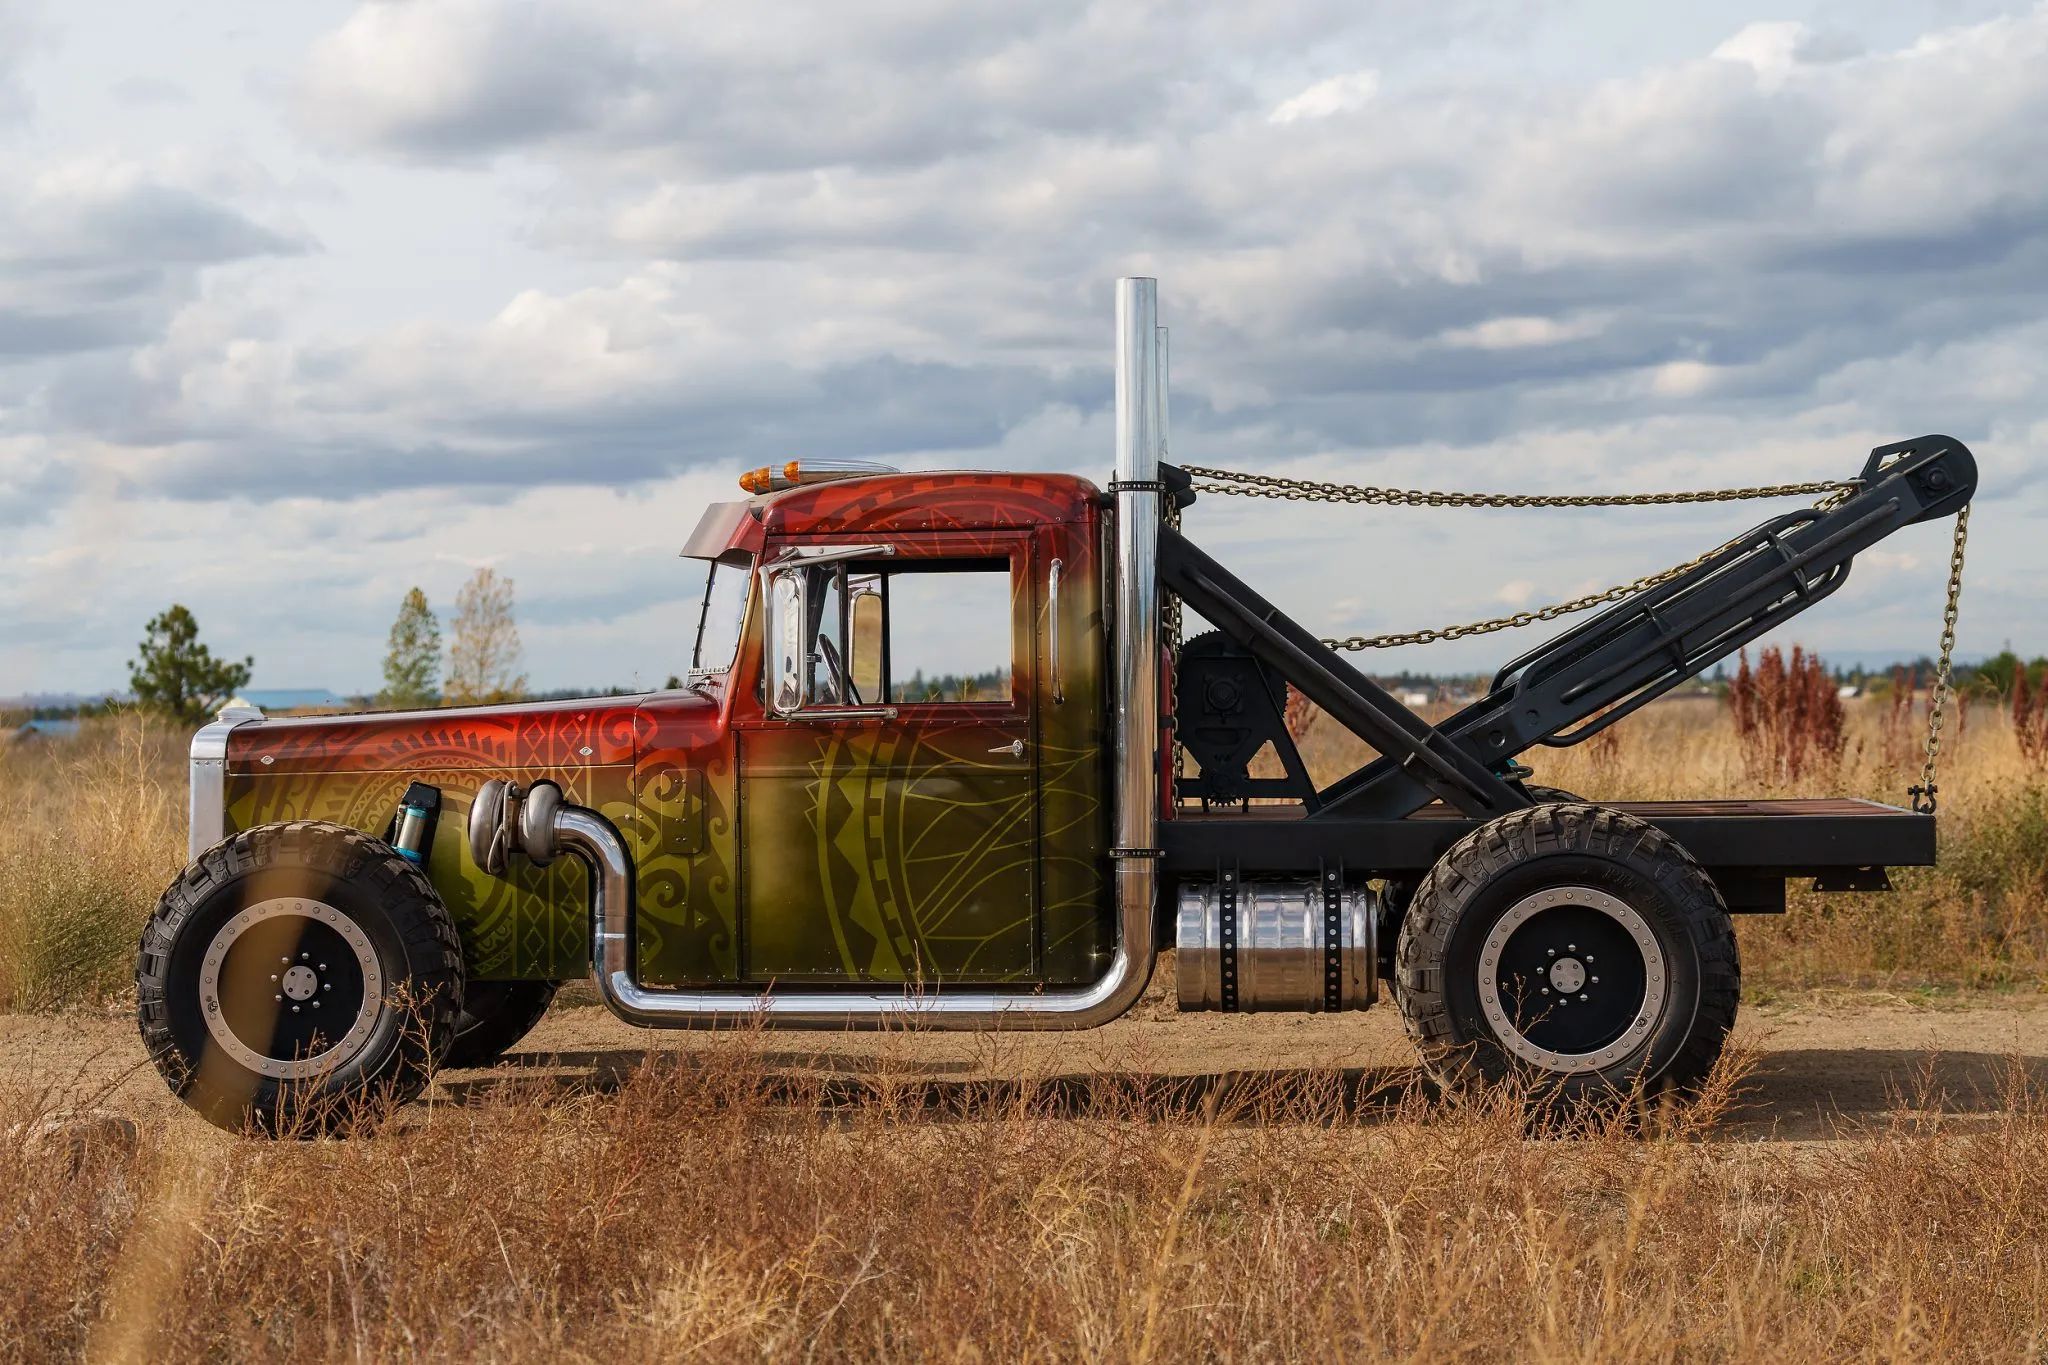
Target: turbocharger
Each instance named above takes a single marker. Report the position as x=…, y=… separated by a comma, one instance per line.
x=505, y=819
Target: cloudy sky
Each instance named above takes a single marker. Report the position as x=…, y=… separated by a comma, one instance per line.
x=302, y=304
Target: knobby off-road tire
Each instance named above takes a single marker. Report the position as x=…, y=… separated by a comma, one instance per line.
x=1572, y=946
x=1551, y=796
x=495, y=1015
x=296, y=977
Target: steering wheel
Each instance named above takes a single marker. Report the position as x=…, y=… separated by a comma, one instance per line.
x=838, y=669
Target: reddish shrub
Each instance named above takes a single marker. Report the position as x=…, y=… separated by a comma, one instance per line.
x=1789, y=716
x=2030, y=716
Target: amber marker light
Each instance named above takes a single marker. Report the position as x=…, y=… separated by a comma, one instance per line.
x=796, y=473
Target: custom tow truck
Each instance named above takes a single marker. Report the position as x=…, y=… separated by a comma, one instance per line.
x=802, y=835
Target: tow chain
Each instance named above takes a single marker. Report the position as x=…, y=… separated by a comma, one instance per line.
x=1944, y=675
x=1236, y=483
x=1229, y=483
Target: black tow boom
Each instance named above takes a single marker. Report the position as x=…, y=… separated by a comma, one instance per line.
x=1584, y=680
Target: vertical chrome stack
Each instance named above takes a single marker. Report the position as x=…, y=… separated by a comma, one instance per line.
x=1140, y=421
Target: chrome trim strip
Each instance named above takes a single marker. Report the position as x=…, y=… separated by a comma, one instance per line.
x=810, y=556
x=841, y=713
x=206, y=809
x=592, y=838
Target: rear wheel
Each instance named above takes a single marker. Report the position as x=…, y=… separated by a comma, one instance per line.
x=495, y=1015
x=295, y=972
x=1571, y=945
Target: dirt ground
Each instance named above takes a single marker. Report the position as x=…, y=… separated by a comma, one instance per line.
x=1823, y=1067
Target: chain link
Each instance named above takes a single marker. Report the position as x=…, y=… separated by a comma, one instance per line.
x=1171, y=613
x=1232, y=483
x=1235, y=483
x=1525, y=618
x=1944, y=673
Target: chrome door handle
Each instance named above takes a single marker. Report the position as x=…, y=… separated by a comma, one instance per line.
x=1052, y=632
x=1015, y=748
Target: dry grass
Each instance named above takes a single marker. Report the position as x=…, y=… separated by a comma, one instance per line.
x=95, y=829
x=731, y=1204
x=730, y=1209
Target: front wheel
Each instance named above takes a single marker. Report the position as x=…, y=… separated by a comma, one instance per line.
x=295, y=972
x=1572, y=945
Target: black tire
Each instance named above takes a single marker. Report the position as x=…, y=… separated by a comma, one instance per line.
x=495, y=1015
x=1400, y=890
x=356, y=928
x=1486, y=915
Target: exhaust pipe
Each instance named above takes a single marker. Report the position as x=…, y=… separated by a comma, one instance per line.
x=542, y=825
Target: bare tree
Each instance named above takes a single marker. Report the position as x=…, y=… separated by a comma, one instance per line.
x=483, y=649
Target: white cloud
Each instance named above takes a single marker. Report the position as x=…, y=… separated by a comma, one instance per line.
x=1507, y=334
x=1335, y=95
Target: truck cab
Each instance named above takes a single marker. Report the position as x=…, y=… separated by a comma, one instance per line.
x=888, y=764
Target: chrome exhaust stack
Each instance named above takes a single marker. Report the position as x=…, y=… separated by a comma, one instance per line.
x=538, y=824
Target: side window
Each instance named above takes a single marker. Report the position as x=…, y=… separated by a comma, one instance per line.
x=867, y=632
x=949, y=633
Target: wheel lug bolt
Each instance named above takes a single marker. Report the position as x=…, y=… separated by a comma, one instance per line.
x=1589, y=957
x=295, y=1009
x=323, y=966
x=277, y=997
x=273, y=976
x=326, y=985
x=1582, y=999
x=286, y=961
x=1571, y=947
x=1596, y=980
x=1546, y=990
x=1552, y=951
x=316, y=1004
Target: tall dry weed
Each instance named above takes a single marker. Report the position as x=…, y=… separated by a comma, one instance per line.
x=95, y=831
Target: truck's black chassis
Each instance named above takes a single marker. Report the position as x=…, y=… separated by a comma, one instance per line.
x=1434, y=783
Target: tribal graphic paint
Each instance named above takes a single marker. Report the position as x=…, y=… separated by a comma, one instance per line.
x=814, y=849
x=351, y=770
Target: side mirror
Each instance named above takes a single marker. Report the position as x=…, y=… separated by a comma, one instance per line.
x=788, y=589
x=784, y=666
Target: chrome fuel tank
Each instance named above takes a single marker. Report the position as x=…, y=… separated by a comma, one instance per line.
x=1277, y=945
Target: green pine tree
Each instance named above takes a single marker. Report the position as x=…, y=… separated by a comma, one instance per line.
x=412, y=661
x=176, y=675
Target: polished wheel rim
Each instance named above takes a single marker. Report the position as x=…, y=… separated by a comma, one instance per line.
x=290, y=988
x=1571, y=978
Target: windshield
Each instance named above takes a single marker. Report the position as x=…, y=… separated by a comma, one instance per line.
x=722, y=612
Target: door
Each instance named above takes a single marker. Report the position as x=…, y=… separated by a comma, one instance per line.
x=889, y=823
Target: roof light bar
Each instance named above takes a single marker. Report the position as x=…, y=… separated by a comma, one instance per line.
x=796, y=473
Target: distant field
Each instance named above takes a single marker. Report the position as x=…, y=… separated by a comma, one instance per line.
x=1868, y=1177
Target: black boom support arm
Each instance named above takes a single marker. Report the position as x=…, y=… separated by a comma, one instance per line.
x=1597, y=672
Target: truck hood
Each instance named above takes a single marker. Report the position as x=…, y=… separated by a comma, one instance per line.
x=526, y=735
